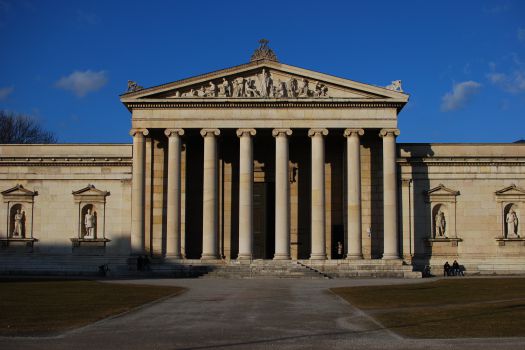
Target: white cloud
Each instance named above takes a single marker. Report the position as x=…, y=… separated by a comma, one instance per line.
x=513, y=80
x=82, y=83
x=5, y=92
x=459, y=96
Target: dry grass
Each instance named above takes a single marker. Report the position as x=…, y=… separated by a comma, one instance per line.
x=46, y=307
x=451, y=308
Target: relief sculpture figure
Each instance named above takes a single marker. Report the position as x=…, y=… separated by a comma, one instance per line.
x=224, y=88
x=18, y=217
x=303, y=88
x=249, y=89
x=292, y=87
x=512, y=224
x=266, y=83
x=212, y=90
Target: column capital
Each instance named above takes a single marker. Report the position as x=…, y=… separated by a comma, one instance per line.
x=207, y=132
x=246, y=132
x=388, y=132
x=279, y=132
x=313, y=132
x=174, y=132
x=406, y=182
x=134, y=131
x=354, y=132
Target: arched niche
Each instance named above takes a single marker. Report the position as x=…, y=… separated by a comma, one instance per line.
x=89, y=221
x=20, y=204
x=512, y=200
x=17, y=221
x=440, y=221
x=511, y=220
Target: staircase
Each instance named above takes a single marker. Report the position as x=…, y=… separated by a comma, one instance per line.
x=264, y=269
x=363, y=268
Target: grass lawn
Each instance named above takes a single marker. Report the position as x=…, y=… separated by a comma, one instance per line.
x=448, y=308
x=40, y=307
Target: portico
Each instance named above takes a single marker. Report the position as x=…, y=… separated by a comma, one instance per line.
x=317, y=144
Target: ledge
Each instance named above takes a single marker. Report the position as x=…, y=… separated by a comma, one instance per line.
x=93, y=242
x=512, y=241
x=18, y=242
x=441, y=241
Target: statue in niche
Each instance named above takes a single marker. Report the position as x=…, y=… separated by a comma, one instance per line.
x=249, y=88
x=292, y=87
x=224, y=88
x=440, y=225
x=395, y=86
x=303, y=88
x=18, y=223
x=89, y=224
x=512, y=224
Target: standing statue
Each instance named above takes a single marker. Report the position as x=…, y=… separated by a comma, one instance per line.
x=440, y=224
x=281, y=89
x=512, y=224
x=18, y=228
x=266, y=83
x=224, y=88
x=238, y=87
x=89, y=224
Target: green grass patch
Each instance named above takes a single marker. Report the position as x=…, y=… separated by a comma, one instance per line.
x=47, y=307
x=449, y=308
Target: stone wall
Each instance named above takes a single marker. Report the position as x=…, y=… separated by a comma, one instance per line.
x=54, y=172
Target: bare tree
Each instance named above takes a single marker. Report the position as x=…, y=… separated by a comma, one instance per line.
x=19, y=128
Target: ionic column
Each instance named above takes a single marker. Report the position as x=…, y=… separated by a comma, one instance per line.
x=318, y=216
x=210, y=217
x=353, y=204
x=137, y=192
x=282, y=195
x=245, y=192
x=173, y=206
x=391, y=250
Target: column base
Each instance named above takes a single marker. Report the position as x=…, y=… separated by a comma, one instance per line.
x=244, y=257
x=318, y=257
x=209, y=257
x=354, y=257
x=280, y=256
x=391, y=257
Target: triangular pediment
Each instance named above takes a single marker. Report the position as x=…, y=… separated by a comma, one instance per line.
x=442, y=190
x=90, y=190
x=511, y=190
x=266, y=79
x=19, y=190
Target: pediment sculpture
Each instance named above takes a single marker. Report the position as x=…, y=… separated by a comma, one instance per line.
x=263, y=84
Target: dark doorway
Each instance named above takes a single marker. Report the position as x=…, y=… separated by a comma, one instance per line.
x=263, y=220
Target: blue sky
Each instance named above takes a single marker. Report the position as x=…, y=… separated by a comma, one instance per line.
x=462, y=62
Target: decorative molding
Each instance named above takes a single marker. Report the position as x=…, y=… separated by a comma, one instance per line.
x=263, y=52
x=295, y=103
x=441, y=191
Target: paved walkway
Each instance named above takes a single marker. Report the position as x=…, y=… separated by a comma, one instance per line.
x=248, y=314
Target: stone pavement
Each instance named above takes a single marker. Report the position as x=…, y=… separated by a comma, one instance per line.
x=248, y=314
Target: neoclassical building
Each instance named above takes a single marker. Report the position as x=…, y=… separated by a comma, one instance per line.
x=263, y=161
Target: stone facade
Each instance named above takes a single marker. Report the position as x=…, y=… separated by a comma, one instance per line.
x=265, y=161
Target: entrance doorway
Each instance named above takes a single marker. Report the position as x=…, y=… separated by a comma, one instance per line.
x=263, y=220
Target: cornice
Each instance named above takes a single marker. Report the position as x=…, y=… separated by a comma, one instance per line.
x=226, y=104
x=74, y=161
x=454, y=162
